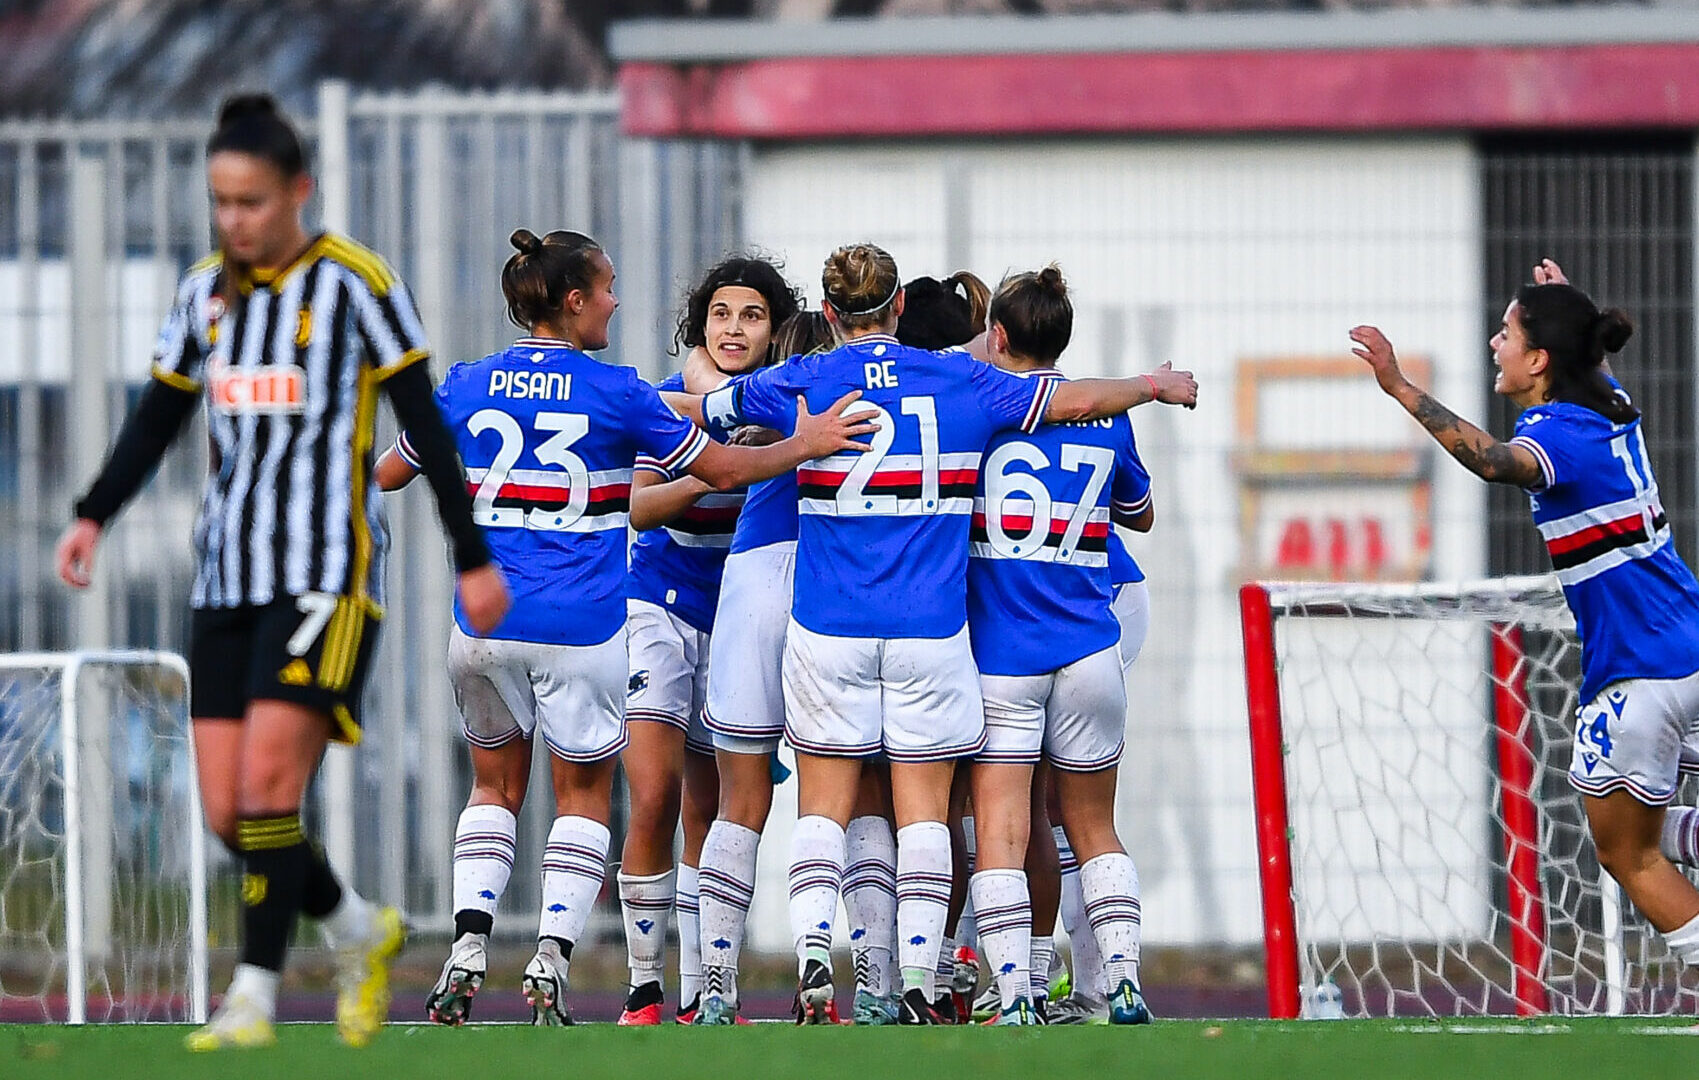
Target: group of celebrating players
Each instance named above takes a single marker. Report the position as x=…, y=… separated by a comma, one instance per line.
x=924, y=571
x=900, y=516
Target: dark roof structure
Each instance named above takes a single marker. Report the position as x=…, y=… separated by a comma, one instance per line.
x=134, y=58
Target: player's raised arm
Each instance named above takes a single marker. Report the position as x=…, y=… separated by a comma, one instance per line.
x=1493, y=461
x=1092, y=399
x=817, y=435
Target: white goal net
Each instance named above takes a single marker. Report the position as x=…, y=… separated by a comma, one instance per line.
x=103, y=903
x=1411, y=746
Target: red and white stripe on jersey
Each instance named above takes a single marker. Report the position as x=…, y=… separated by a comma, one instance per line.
x=1546, y=471
x=1041, y=402
x=543, y=497
x=821, y=484
x=1091, y=548
x=1587, y=544
x=707, y=523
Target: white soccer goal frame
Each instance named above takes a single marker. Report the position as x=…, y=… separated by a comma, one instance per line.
x=70, y=666
x=1261, y=604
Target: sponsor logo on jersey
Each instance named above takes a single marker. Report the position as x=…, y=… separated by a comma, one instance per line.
x=297, y=673
x=271, y=389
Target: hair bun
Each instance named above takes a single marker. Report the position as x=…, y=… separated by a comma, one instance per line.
x=525, y=241
x=244, y=106
x=1051, y=281
x=1612, y=329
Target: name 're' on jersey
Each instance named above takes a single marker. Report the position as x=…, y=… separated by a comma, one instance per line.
x=290, y=371
x=1636, y=604
x=549, y=437
x=1040, y=580
x=882, y=534
x=679, y=565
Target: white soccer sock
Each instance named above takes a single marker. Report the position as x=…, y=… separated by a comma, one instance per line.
x=1004, y=905
x=1088, y=961
x=257, y=985
x=967, y=925
x=352, y=921
x=688, y=909
x=817, y=873
x=1110, y=884
x=726, y=885
x=643, y=904
x=945, y=970
x=1680, y=843
x=1043, y=955
x=574, y=864
x=923, y=901
x=1684, y=941
x=484, y=843
x=870, y=898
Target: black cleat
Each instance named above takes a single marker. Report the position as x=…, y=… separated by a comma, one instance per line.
x=915, y=1009
x=814, y=992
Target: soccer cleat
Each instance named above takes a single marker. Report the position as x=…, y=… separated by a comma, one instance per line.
x=463, y=973
x=1126, y=1005
x=1061, y=979
x=1079, y=1008
x=1020, y=1013
x=872, y=1010
x=914, y=1009
x=362, y=979
x=687, y=1013
x=814, y=993
x=643, y=1006
x=945, y=1006
x=964, y=974
x=239, y=1024
x=717, y=1012
x=545, y=986
x=988, y=1004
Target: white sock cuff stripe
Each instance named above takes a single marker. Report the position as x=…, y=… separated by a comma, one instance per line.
x=594, y=830
x=922, y=831
x=489, y=816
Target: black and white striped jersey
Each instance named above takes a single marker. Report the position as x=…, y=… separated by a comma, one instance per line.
x=290, y=371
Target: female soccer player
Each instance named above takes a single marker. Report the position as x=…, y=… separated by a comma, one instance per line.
x=745, y=711
x=876, y=653
x=685, y=529
x=291, y=335
x=551, y=436
x=1579, y=453
x=1048, y=647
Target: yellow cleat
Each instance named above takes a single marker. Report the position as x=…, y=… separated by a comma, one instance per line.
x=239, y=1024
x=362, y=979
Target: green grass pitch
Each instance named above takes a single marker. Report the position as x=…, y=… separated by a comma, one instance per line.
x=1234, y=1049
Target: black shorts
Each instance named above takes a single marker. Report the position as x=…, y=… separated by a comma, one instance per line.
x=313, y=650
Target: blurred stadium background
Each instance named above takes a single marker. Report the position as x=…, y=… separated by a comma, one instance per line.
x=1229, y=186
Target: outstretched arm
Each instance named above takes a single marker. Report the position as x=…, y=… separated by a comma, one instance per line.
x=656, y=500
x=1093, y=399
x=1493, y=461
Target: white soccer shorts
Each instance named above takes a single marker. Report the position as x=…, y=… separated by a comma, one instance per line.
x=1131, y=608
x=1639, y=736
x=1075, y=717
x=917, y=699
x=669, y=672
x=745, y=709
x=574, y=693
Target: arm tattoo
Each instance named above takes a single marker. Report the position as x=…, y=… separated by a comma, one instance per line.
x=1473, y=448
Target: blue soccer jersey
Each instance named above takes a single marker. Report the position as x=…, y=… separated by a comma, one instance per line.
x=549, y=436
x=882, y=535
x=1040, y=577
x=1636, y=604
x=678, y=566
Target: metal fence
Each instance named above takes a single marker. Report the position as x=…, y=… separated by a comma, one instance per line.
x=97, y=220
x=1245, y=258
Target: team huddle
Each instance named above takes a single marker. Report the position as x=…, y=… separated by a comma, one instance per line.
x=883, y=532
x=914, y=551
